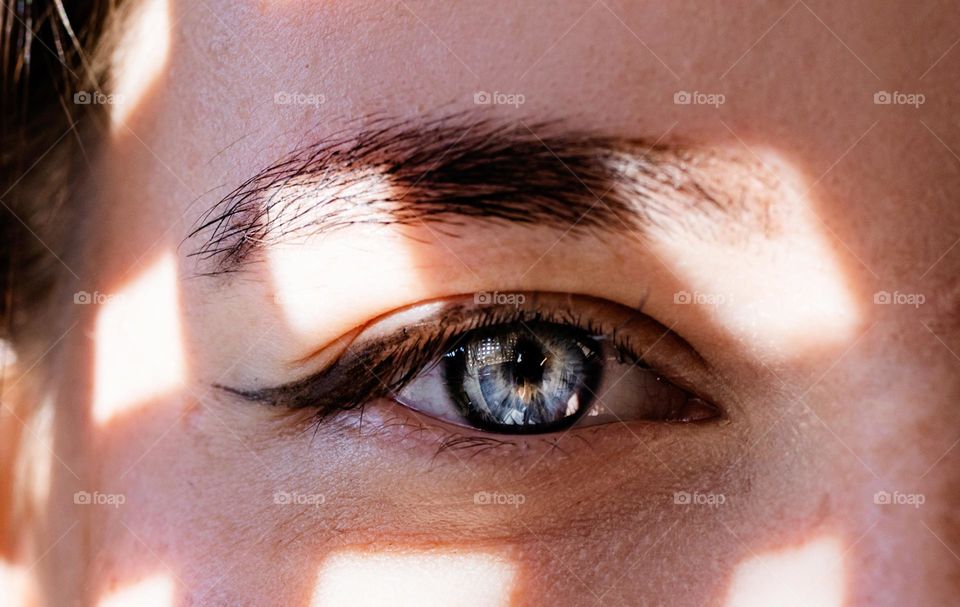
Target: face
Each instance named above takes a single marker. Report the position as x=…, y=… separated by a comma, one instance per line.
x=466, y=303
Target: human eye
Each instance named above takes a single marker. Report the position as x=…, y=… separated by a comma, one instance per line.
x=541, y=364
x=532, y=377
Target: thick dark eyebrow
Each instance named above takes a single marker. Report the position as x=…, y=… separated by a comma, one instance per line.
x=456, y=168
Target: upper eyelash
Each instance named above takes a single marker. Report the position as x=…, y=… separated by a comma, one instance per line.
x=384, y=367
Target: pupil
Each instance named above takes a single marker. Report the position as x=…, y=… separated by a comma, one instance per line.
x=529, y=366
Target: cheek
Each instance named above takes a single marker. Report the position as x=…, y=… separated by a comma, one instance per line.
x=229, y=514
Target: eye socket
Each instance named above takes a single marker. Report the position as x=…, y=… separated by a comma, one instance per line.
x=540, y=377
x=549, y=362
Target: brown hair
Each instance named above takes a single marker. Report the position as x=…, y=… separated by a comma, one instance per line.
x=46, y=51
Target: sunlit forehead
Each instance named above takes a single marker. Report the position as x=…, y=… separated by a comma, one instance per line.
x=139, y=349
x=154, y=591
x=140, y=57
x=811, y=575
x=421, y=579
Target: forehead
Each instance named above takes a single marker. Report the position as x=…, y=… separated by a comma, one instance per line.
x=239, y=84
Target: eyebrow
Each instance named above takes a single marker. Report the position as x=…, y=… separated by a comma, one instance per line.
x=458, y=168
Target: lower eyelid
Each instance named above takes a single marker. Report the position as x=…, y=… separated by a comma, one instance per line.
x=393, y=426
x=397, y=426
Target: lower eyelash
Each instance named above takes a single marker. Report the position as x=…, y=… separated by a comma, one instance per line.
x=474, y=444
x=458, y=444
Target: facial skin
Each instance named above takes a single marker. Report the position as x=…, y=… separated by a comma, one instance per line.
x=828, y=396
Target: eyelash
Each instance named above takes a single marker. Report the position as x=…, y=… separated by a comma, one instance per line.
x=336, y=389
x=381, y=368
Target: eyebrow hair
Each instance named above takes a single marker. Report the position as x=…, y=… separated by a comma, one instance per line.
x=456, y=168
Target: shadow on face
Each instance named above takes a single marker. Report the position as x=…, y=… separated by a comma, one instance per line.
x=740, y=187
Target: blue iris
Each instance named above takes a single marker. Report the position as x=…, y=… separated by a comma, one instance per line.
x=528, y=377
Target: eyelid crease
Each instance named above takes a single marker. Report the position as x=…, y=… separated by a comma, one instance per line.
x=332, y=349
x=349, y=337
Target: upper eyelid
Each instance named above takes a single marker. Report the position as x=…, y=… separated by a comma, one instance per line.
x=314, y=389
x=325, y=390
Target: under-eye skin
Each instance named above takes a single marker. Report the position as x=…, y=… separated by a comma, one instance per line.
x=541, y=363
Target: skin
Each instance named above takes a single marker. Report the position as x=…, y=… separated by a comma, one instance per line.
x=824, y=409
